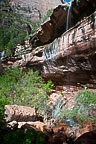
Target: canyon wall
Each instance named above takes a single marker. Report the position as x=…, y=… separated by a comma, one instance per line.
x=70, y=58
x=65, y=57
x=35, y=9
x=57, y=24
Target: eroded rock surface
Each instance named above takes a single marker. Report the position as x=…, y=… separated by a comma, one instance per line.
x=20, y=113
x=70, y=58
x=57, y=24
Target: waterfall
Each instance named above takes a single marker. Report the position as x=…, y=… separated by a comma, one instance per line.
x=2, y=55
x=68, y=23
x=1, y=58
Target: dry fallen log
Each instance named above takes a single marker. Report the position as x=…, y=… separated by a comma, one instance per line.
x=20, y=113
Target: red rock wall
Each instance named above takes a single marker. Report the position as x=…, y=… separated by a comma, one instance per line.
x=69, y=59
x=56, y=25
x=72, y=57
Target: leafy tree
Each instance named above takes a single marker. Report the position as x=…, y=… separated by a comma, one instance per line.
x=11, y=30
x=25, y=88
x=13, y=27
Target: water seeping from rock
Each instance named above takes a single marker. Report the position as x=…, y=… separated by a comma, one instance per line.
x=68, y=22
x=68, y=25
x=60, y=104
x=1, y=58
x=58, y=107
x=2, y=55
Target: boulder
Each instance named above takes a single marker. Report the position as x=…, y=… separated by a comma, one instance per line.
x=20, y=113
x=39, y=126
x=87, y=138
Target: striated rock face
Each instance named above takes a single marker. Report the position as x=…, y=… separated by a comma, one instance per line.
x=57, y=24
x=72, y=57
x=52, y=28
x=35, y=9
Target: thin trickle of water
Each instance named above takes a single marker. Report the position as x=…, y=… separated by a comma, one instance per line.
x=68, y=25
x=68, y=22
x=2, y=55
x=58, y=107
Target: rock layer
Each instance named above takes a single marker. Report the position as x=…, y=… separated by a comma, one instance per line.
x=70, y=58
x=57, y=24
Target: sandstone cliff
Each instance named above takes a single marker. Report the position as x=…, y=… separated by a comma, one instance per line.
x=67, y=58
x=58, y=21
x=70, y=58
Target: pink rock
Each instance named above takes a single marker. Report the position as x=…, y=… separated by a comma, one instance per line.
x=20, y=113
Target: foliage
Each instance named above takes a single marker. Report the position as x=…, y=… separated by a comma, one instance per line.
x=49, y=13
x=86, y=98
x=7, y=85
x=80, y=117
x=3, y=101
x=85, y=101
x=49, y=86
x=21, y=137
x=13, y=27
x=25, y=88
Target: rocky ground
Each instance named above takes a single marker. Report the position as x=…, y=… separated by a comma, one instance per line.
x=57, y=130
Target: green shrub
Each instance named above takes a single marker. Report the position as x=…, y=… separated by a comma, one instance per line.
x=8, y=81
x=12, y=30
x=86, y=98
x=3, y=101
x=18, y=87
x=24, y=88
x=83, y=100
x=49, y=86
x=13, y=27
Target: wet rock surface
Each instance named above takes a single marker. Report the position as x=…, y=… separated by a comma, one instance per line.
x=57, y=24
x=70, y=59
